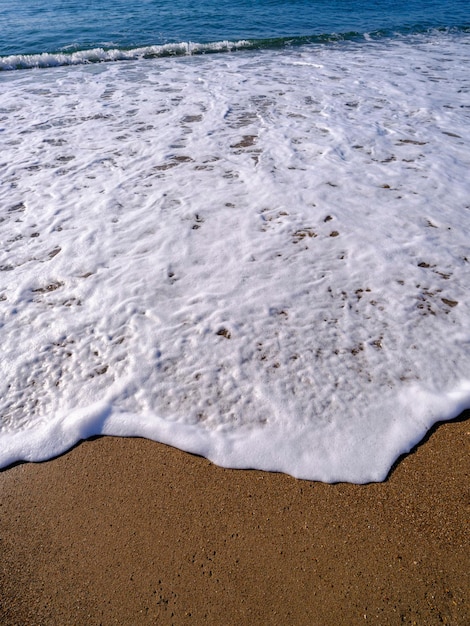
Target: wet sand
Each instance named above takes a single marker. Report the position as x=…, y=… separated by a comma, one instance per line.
x=127, y=531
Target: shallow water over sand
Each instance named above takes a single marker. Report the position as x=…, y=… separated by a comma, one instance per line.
x=260, y=257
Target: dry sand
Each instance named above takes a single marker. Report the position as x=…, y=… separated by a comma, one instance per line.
x=127, y=531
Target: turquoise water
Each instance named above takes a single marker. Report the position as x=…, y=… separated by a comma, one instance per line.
x=33, y=27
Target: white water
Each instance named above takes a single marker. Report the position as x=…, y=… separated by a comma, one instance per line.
x=260, y=257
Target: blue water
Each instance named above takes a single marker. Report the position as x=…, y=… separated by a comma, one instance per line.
x=29, y=27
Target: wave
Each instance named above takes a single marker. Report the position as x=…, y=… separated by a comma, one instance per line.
x=101, y=55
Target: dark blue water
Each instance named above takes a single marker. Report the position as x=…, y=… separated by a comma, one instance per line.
x=36, y=26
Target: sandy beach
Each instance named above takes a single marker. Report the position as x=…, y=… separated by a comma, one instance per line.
x=240, y=230
x=128, y=531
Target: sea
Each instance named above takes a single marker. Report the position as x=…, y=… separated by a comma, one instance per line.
x=240, y=228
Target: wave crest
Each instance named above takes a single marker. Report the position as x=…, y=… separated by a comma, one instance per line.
x=100, y=55
x=188, y=48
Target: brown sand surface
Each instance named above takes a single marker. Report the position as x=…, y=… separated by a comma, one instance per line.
x=127, y=531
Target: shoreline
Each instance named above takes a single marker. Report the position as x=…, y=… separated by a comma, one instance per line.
x=129, y=531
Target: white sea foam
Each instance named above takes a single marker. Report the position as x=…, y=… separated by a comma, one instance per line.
x=261, y=258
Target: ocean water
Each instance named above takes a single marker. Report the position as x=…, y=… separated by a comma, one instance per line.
x=239, y=228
